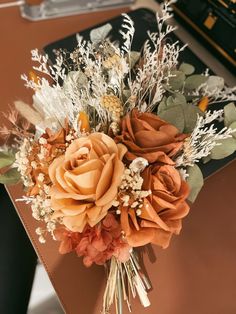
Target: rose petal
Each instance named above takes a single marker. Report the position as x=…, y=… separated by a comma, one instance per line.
x=75, y=223
x=86, y=182
x=147, y=139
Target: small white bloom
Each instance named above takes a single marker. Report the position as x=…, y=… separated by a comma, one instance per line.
x=41, y=177
x=42, y=140
x=138, y=164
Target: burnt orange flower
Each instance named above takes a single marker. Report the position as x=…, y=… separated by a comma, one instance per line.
x=162, y=211
x=42, y=155
x=85, y=180
x=100, y=243
x=69, y=240
x=96, y=244
x=146, y=135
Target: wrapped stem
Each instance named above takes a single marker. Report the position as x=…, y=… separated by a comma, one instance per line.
x=125, y=279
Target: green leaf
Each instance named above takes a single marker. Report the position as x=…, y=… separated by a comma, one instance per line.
x=187, y=68
x=215, y=82
x=176, y=81
x=227, y=147
x=75, y=78
x=194, y=81
x=195, y=181
x=175, y=99
x=233, y=127
x=12, y=176
x=175, y=116
x=183, y=116
x=99, y=34
x=134, y=57
x=162, y=105
x=126, y=94
x=206, y=159
x=229, y=114
x=6, y=159
x=191, y=113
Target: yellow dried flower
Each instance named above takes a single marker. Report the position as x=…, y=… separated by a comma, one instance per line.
x=83, y=119
x=113, y=61
x=203, y=104
x=114, y=105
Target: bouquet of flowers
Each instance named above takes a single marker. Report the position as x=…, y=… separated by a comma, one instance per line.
x=108, y=151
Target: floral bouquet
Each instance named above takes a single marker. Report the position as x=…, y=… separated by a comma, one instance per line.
x=108, y=152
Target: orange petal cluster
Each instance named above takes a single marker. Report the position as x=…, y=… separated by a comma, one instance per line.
x=96, y=244
x=162, y=211
x=146, y=135
x=85, y=180
x=55, y=143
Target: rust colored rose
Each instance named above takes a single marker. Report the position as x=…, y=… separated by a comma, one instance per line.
x=162, y=212
x=146, y=135
x=85, y=180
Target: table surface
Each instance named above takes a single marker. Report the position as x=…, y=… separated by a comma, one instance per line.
x=196, y=275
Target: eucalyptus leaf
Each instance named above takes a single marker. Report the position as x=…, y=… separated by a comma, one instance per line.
x=134, y=57
x=175, y=116
x=191, y=113
x=229, y=114
x=177, y=80
x=187, y=68
x=215, y=82
x=6, y=159
x=182, y=115
x=162, y=105
x=233, y=127
x=195, y=181
x=100, y=33
x=126, y=94
x=175, y=99
x=226, y=148
x=194, y=81
x=75, y=78
x=12, y=176
x=206, y=159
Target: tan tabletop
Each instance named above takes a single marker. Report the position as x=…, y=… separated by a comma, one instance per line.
x=196, y=275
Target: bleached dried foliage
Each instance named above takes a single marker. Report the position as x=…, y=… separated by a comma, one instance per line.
x=159, y=59
x=203, y=139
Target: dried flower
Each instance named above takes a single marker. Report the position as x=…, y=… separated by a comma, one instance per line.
x=96, y=244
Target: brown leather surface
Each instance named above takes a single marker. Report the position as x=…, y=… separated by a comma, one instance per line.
x=196, y=275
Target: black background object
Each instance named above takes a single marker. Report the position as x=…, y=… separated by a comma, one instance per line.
x=145, y=20
x=220, y=37
x=17, y=260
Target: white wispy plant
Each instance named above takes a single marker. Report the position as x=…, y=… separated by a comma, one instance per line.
x=204, y=137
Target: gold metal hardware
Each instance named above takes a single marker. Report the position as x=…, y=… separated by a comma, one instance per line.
x=210, y=21
x=210, y=41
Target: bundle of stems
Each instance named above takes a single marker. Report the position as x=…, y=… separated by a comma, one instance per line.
x=125, y=281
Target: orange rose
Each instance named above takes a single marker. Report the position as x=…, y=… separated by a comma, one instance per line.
x=85, y=180
x=163, y=210
x=146, y=135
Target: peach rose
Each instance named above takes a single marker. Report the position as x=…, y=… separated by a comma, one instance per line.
x=146, y=135
x=163, y=210
x=85, y=180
